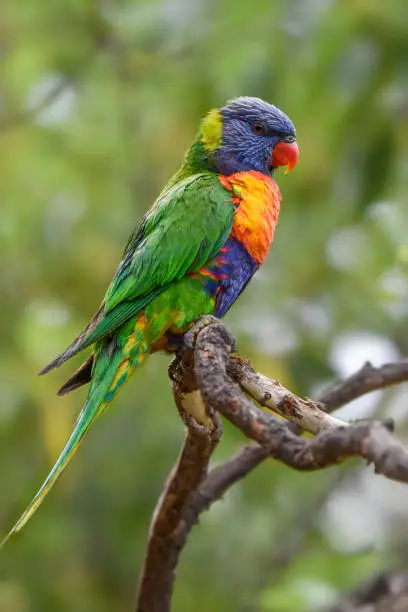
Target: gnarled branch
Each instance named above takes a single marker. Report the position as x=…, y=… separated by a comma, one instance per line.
x=208, y=381
x=165, y=536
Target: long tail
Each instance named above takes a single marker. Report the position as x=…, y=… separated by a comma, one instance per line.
x=109, y=374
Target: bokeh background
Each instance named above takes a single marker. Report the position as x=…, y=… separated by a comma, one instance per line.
x=98, y=101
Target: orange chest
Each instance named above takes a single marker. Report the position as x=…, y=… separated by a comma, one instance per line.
x=257, y=200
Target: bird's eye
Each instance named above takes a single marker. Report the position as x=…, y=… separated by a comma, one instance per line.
x=258, y=128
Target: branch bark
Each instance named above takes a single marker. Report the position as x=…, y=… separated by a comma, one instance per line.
x=365, y=380
x=372, y=441
x=305, y=413
x=165, y=536
x=205, y=383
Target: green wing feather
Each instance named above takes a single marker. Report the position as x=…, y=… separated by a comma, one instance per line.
x=187, y=225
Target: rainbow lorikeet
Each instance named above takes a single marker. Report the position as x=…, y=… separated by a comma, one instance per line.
x=192, y=254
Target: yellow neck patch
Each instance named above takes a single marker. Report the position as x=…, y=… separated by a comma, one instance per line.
x=211, y=130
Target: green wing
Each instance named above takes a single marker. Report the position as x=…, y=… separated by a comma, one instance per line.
x=187, y=226
x=182, y=231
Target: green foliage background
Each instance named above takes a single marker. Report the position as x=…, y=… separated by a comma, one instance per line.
x=98, y=101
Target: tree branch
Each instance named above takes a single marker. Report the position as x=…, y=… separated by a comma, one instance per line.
x=165, y=540
x=309, y=415
x=205, y=384
x=372, y=441
x=365, y=380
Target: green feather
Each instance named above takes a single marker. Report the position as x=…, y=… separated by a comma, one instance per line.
x=186, y=226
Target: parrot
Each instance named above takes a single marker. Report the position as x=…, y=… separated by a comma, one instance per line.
x=191, y=255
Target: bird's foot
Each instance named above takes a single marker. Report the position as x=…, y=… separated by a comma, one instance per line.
x=190, y=337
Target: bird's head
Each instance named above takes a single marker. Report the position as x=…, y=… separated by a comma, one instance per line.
x=247, y=134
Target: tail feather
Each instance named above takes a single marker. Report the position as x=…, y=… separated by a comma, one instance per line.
x=102, y=325
x=84, y=339
x=108, y=382
x=81, y=377
x=86, y=417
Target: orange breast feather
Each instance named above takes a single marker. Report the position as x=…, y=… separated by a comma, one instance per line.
x=257, y=199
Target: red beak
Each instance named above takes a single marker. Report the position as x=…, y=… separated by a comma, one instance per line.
x=285, y=154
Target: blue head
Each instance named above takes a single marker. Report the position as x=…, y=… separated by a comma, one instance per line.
x=248, y=134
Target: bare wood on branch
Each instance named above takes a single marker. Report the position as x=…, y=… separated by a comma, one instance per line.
x=308, y=414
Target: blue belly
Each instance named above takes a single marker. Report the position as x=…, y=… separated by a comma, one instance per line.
x=232, y=268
